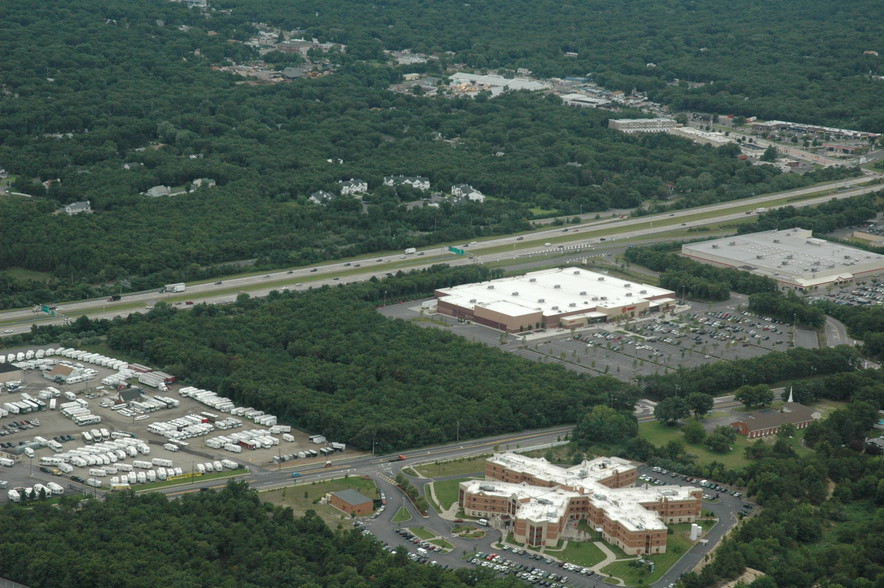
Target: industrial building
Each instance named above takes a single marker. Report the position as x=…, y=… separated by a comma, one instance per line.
x=792, y=257
x=538, y=501
x=566, y=297
x=642, y=125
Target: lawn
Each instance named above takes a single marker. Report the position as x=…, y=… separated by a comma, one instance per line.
x=422, y=533
x=402, y=515
x=660, y=434
x=304, y=497
x=580, y=553
x=442, y=543
x=458, y=467
x=447, y=491
x=189, y=479
x=677, y=545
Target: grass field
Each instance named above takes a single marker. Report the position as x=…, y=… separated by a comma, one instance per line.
x=676, y=546
x=659, y=434
x=460, y=467
x=401, y=515
x=447, y=491
x=580, y=553
x=304, y=497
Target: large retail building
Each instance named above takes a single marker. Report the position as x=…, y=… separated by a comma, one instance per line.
x=540, y=500
x=567, y=297
x=792, y=257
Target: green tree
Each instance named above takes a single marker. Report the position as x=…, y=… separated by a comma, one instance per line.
x=758, y=395
x=770, y=154
x=700, y=403
x=693, y=430
x=670, y=410
x=605, y=425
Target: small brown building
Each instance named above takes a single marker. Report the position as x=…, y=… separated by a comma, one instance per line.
x=352, y=502
x=768, y=422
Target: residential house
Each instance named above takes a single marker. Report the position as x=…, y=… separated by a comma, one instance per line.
x=467, y=192
x=322, y=197
x=158, y=191
x=77, y=207
x=418, y=182
x=202, y=183
x=351, y=187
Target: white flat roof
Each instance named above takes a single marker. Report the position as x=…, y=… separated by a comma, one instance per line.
x=553, y=292
x=788, y=255
x=623, y=505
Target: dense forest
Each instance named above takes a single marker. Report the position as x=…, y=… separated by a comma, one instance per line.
x=328, y=362
x=227, y=538
x=104, y=99
x=753, y=58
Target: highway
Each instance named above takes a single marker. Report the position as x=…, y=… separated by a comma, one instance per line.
x=571, y=238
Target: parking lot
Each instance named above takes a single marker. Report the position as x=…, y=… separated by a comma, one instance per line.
x=862, y=295
x=697, y=335
x=35, y=442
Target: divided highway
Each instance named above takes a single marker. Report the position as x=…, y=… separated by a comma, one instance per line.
x=499, y=249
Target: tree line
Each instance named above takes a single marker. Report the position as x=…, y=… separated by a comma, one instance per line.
x=224, y=538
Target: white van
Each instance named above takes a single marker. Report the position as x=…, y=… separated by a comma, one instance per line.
x=483, y=522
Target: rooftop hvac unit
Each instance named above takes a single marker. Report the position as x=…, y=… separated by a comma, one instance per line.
x=515, y=293
x=603, y=297
x=627, y=285
x=776, y=240
x=572, y=304
x=601, y=278
x=557, y=286
x=595, y=297
x=576, y=272
x=472, y=300
x=715, y=246
x=555, y=307
x=583, y=293
x=541, y=300
x=491, y=286
x=732, y=243
x=789, y=256
x=785, y=263
x=759, y=257
x=642, y=291
x=532, y=279
x=846, y=257
x=629, y=293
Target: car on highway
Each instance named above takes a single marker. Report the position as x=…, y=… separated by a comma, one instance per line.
x=7, y=331
x=218, y=282
x=313, y=270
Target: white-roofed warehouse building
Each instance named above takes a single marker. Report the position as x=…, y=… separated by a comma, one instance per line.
x=792, y=257
x=567, y=297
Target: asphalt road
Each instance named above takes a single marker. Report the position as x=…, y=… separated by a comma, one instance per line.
x=575, y=240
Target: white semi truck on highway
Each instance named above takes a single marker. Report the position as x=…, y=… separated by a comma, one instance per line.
x=179, y=287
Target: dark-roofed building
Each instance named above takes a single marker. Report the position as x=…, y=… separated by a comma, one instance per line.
x=10, y=373
x=128, y=395
x=352, y=502
x=766, y=422
x=322, y=197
